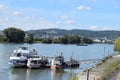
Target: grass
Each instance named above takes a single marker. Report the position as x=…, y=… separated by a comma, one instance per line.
x=72, y=77
x=111, y=68
x=105, y=69
x=104, y=60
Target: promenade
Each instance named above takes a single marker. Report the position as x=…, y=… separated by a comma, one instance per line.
x=104, y=70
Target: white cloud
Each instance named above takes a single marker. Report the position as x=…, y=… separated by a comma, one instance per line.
x=1, y=6
x=94, y=0
x=58, y=22
x=94, y=28
x=101, y=28
x=69, y=22
x=17, y=13
x=6, y=19
x=82, y=7
x=108, y=28
x=64, y=17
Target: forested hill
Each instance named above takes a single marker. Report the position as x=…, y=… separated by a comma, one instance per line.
x=42, y=33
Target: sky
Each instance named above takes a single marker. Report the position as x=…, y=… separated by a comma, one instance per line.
x=61, y=14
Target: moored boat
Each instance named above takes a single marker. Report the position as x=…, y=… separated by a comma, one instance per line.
x=19, y=56
x=37, y=62
x=18, y=60
x=73, y=63
x=58, y=62
x=25, y=51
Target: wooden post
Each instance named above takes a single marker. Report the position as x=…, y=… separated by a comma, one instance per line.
x=104, y=52
x=88, y=74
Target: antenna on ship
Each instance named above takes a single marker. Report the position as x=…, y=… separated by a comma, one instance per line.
x=71, y=56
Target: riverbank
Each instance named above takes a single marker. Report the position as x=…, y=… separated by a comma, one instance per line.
x=104, y=70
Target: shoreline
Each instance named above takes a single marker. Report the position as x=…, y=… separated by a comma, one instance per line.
x=104, y=70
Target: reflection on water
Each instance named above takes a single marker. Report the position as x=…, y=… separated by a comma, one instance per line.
x=26, y=74
x=17, y=74
x=36, y=74
x=56, y=74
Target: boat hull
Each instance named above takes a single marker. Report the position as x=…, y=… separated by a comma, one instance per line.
x=37, y=62
x=56, y=67
x=34, y=66
x=17, y=65
x=53, y=67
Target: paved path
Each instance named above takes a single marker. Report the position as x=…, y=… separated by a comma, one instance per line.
x=97, y=71
x=115, y=75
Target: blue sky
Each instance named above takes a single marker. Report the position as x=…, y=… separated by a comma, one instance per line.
x=63, y=14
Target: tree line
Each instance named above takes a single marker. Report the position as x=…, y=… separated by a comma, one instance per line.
x=66, y=39
x=19, y=36
x=108, y=34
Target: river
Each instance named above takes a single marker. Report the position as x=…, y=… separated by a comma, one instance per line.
x=93, y=51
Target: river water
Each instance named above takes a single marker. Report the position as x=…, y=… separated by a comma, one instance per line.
x=93, y=51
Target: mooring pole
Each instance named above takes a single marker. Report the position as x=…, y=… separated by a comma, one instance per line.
x=87, y=74
x=104, y=52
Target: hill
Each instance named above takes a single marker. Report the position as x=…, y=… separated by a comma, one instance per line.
x=53, y=33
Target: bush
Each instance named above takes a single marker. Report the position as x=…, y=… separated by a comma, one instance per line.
x=73, y=77
x=117, y=44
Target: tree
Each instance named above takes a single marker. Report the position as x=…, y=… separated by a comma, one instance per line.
x=88, y=41
x=14, y=35
x=64, y=39
x=3, y=38
x=56, y=40
x=117, y=44
x=46, y=40
x=72, y=39
x=29, y=38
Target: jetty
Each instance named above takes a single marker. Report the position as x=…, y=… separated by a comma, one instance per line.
x=90, y=61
